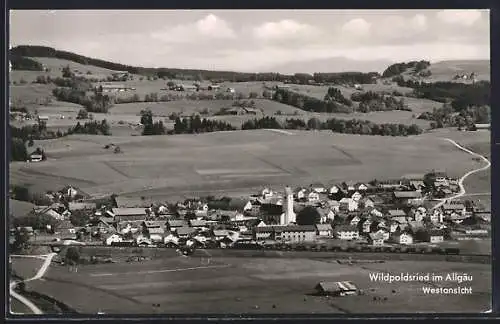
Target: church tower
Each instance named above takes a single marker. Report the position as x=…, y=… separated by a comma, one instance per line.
x=288, y=215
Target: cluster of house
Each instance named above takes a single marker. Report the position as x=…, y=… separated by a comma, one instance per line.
x=378, y=213
x=197, y=87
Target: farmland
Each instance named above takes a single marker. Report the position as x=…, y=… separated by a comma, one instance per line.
x=165, y=166
x=255, y=285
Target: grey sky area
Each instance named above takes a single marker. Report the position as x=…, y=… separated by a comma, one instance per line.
x=258, y=41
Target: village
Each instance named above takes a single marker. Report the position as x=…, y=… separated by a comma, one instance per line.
x=389, y=214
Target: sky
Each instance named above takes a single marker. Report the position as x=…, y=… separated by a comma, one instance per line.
x=255, y=40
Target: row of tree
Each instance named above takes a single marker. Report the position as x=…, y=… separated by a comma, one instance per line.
x=23, y=63
x=461, y=95
x=465, y=119
x=91, y=127
x=97, y=102
x=309, y=103
x=334, y=94
x=372, y=101
x=352, y=126
x=194, y=124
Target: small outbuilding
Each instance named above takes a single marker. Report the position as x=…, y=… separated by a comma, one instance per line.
x=336, y=288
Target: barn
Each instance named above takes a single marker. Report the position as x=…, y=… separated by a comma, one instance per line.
x=336, y=288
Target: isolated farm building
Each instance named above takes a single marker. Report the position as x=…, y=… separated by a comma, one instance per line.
x=282, y=86
x=339, y=288
x=72, y=206
x=402, y=237
x=129, y=214
x=324, y=230
x=241, y=205
x=174, y=224
x=407, y=197
x=346, y=232
x=295, y=233
x=482, y=126
x=74, y=193
x=43, y=118
x=348, y=204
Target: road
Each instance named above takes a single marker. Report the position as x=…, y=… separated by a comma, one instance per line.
x=462, y=179
x=39, y=274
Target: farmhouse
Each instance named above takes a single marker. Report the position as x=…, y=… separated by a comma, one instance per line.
x=48, y=211
x=482, y=126
x=295, y=233
x=339, y=288
x=324, y=230
x=397, y=215
x=407, y=197
x=129, y=214
x=376, y=239
x=346, y=232
x=174, y=224
x=348, y=204
x=403, y=237
x=451, y=208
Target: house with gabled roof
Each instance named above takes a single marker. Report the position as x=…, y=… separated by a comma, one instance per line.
x=366, y=225
x=128, y=214
x=376, y=239
x=346, y=232
x=353, y=220
x=348, y=204
x=300, y=194
x=324, y=230
x=318, y=188
x=240, y=205
x=402, y=237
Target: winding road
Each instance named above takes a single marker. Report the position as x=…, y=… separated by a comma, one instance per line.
x=39, y=274
x=462, y=179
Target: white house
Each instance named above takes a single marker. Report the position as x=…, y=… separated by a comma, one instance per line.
x=356, y=196
x=367, y=226
x=376, y=239
x=319, y=188
x=436, y=216
x=354, y=221
x=324, y=230
x=334, y=205
x=115, y=238
x=375, y=212
x=346, y=232
x=267, y=193
x=348, y=204
x=367, y=203
x=333, y=190
x=382, y=231
x=393, y=226
x=361, y=187
x=402, y=238
x=419, y=214
x=436, y=236
x=313, y=197
x=301, y=194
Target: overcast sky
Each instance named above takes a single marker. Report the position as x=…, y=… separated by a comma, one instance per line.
x=255, y=40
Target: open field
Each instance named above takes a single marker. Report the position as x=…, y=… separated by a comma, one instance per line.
x=319, y=92
x=162, y=166
x=26, y=267
x=253, y=285
x=446, y=70
x=19, y=208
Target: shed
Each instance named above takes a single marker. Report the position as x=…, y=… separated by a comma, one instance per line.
x=336, y=288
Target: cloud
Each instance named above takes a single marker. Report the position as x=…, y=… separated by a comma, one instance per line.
x=459, y=17
x=209, y=27
x=419, y=22
x=284, y=30
x=357, y=27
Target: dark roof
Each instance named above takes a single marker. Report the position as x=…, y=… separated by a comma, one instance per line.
x=408, y=194
x=237, y=204
x=289, y=228
x=396, y=213
x=177, y=223
x=129, y=211
x=337, y=286
x=324, y=227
